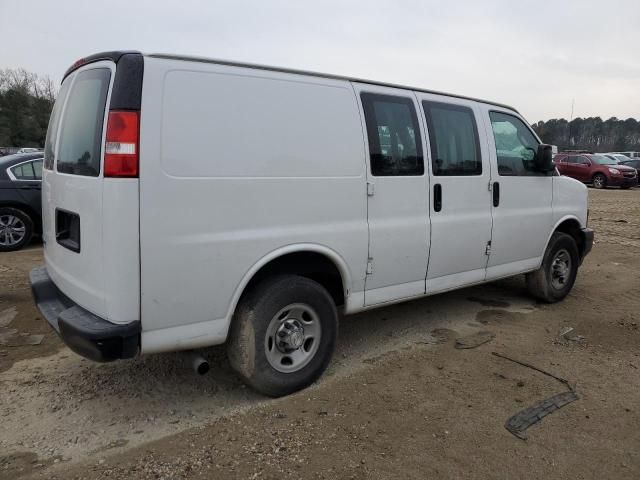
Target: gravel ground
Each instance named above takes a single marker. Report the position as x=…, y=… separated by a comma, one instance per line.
x=399, y=401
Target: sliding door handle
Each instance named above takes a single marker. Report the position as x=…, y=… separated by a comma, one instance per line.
x=496, y=194
x=437, y=197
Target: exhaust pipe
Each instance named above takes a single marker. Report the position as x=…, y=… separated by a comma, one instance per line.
x=199, y=364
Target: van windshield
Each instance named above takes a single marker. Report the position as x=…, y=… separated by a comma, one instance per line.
x=81, y=125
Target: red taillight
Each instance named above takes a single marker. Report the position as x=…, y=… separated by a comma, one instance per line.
x=121, y=144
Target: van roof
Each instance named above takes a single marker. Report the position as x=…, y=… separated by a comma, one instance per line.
x=316, y=74
x=115, y=56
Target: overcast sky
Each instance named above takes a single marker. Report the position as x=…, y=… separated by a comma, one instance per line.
x=534, y=55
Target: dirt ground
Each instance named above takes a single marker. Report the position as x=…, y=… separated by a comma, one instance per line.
x=398, y=401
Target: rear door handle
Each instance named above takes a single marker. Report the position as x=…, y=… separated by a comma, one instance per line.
x=437, y=197
x=496, y=194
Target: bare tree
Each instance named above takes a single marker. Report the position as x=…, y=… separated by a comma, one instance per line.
x=26, y=100
x=27, y=82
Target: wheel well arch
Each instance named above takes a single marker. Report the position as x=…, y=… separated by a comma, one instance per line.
x=316, y=262
x=571, y=226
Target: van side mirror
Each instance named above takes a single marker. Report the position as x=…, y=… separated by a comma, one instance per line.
x=543, y=159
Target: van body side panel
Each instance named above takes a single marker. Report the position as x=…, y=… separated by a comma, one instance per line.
x=570, y=200
x=237, y=163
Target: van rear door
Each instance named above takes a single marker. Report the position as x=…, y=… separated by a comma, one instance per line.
x=90, y=220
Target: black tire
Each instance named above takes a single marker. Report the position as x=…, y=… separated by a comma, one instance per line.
x=599, y=181
x=248, y=338
x=28, y=229
x=541, y=283
x=625, y=187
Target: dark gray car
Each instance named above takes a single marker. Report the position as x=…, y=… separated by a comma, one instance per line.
x=20, y=199
x=635, y=163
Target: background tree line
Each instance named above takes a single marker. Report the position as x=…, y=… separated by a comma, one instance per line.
x=26, y=100
x=591, y=133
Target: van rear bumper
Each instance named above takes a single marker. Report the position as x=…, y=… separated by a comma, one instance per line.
x=85, y=333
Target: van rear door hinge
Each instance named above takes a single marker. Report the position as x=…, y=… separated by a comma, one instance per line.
x=369, y=266
x=487, y=251
x=370, y=189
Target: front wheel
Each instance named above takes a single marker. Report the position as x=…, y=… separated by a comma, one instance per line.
x=599, y=181
x=555, y=278
x=283, y=334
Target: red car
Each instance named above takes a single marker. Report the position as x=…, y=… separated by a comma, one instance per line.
x=599, y=170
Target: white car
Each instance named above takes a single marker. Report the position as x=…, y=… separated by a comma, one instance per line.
x=630, y=155
x=190, y=202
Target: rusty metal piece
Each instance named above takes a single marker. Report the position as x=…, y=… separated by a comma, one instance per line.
x=522, y=420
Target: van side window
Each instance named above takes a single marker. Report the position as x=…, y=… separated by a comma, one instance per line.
x=453, y=135
x=515, y=146
x=395, y=147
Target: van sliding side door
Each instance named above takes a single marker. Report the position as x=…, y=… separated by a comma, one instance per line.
x=459, y=209
x=397, y=194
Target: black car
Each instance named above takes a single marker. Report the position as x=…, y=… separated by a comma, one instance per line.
x=20, y=199
x=634, y=163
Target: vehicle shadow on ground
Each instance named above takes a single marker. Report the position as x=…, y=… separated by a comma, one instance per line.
x=139, y=400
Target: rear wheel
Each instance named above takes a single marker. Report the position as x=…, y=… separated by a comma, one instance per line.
x=16, y=229
x=283, y=334
x=555, y=278
x=599, y=181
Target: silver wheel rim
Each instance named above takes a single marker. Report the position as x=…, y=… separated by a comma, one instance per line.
x=598, y=181
x=12, y=230
x=293, y=337
x=561, y=269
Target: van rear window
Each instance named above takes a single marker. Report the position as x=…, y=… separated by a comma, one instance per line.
x=81, y=126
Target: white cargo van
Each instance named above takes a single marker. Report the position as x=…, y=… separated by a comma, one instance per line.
x=190, y=202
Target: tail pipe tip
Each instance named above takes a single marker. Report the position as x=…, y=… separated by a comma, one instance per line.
x=199, y=364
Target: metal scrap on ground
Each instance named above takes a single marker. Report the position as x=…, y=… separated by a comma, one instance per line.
x=522, y=420
x=518, y=423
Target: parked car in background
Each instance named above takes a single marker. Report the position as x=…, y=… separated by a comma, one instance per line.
x=599, y=170
x=628, y=154
x=618, y=157
x=20, y=200
x=633, y=163
x=28, y=150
